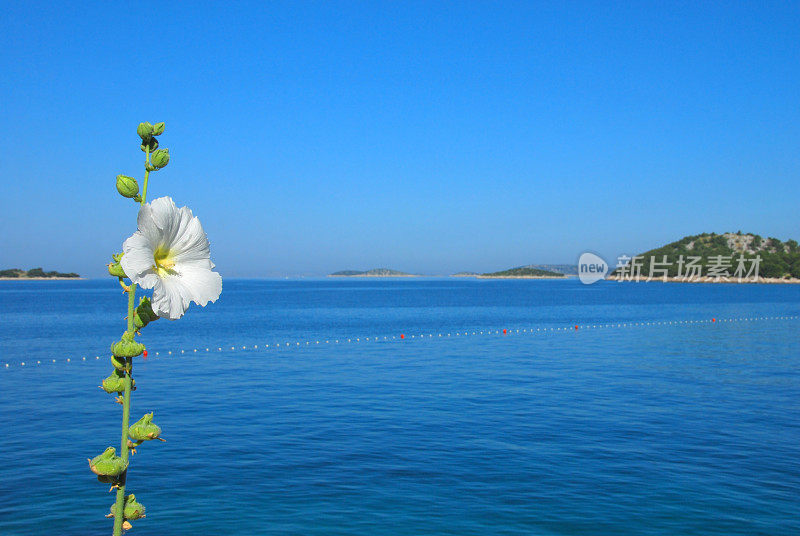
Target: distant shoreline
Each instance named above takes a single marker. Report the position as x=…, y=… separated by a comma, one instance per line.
x=374, y=275
x=42, y=278
x=476, y=276
x=706, y=279
x=520, y=277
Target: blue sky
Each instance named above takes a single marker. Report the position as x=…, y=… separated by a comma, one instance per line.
x=430, y=137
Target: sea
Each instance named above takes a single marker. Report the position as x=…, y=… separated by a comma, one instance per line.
x=412, y=406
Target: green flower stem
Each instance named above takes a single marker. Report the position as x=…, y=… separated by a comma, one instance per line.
x=119, y=506
x=146, y=173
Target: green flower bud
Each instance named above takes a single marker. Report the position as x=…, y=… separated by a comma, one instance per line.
x=115, y=383
x=127, y=186
x=119, y=363
x=144, y=429
x=132, y=509
x=160, y=158
x=126, y=346
x=152, y=144
x=114, y=268
x=144, y=314
x=108, y=463
x=158, y=129
x=145, y=131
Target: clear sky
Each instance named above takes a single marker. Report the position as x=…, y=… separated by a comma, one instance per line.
x=429, y=137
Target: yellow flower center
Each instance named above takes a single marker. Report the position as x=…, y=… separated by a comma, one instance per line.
x=164, y=264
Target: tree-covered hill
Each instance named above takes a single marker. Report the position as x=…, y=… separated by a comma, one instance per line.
x=523, y=271
x=566, y=269
x=778, y=259
x=34, y=272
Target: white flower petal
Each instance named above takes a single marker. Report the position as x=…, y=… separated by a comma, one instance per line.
x=170, y=299
x=148, y=280
x=204, y=285
x=147, y=226
x=174, y=293
x=192, y=244
x=138, y=257
x=171, y=222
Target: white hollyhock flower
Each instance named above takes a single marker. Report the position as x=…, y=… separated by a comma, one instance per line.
x=170, y=254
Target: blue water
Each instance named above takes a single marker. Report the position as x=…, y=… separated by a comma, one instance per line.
x=657, y=429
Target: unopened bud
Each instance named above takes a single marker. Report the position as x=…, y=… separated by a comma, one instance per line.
x=120, y=363
x=127, y=346
x=144, y=314
x=144, y=429
x=108, y=463
x=145, y=131
x=160, y=158
x=127, y=186
x=158, y=129
x=114, y=268
x=132, y=509
x=115, y=383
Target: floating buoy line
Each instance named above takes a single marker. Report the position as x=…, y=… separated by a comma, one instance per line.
x=402, y=337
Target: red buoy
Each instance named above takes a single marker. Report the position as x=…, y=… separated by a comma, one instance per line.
x=144, y=354
x=505, y=331
x=576, y=326
x=402, y=336
x=713, y=319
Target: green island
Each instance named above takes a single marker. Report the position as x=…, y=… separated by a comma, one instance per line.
x=524, y=272
x=780, y=261
x=566, y=269
x=375, y=272
x=530, y=271
x=35, y=273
